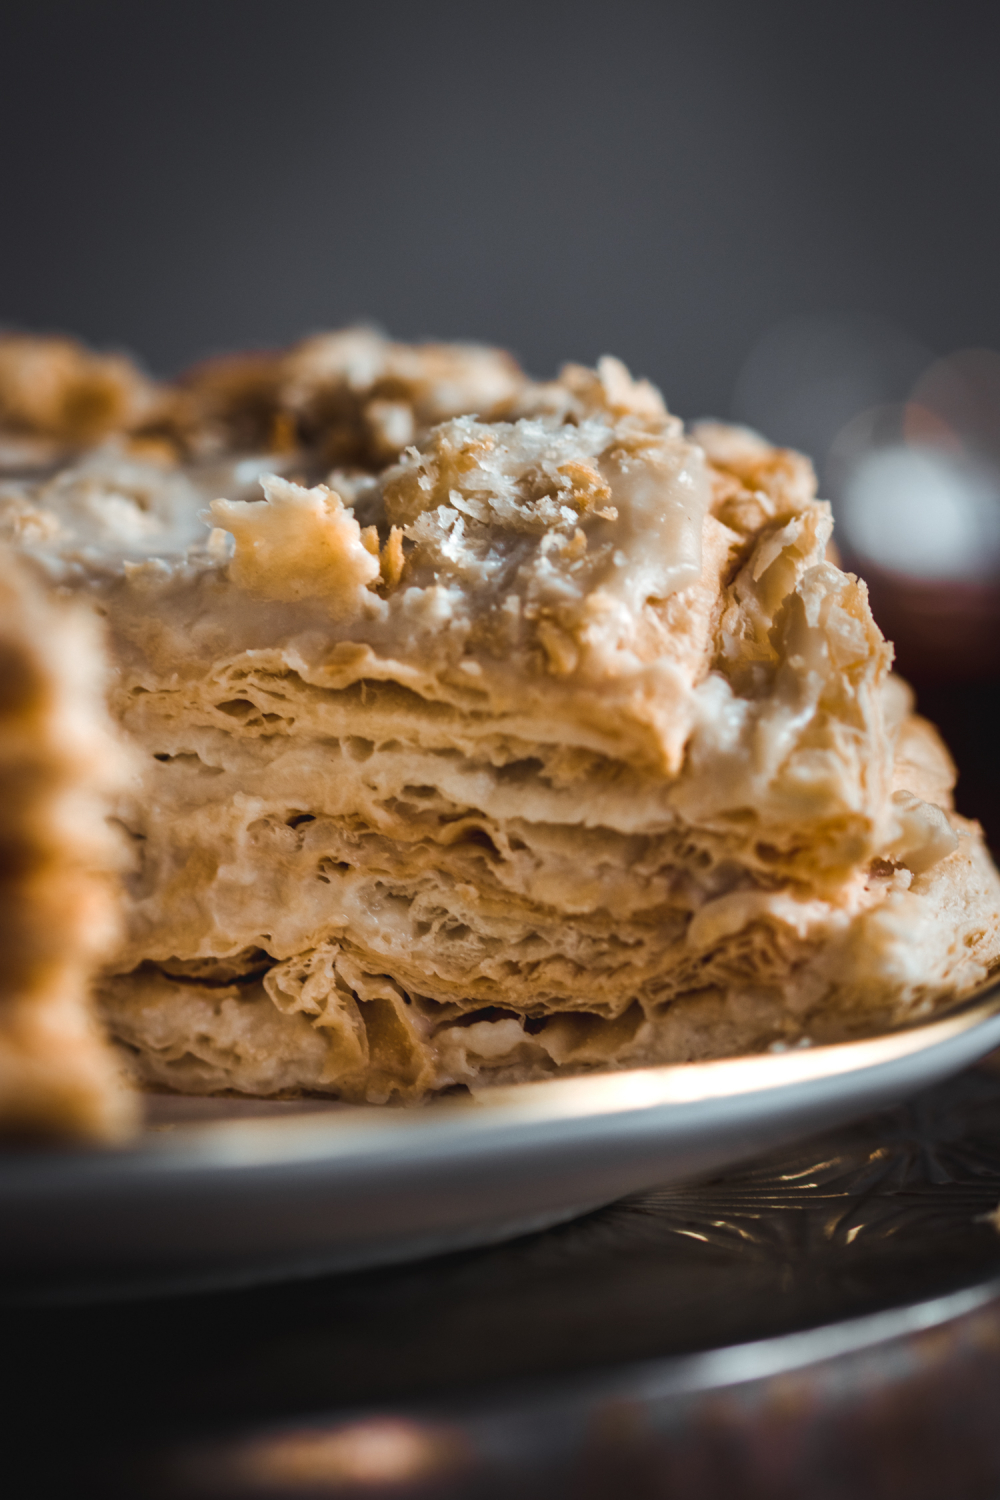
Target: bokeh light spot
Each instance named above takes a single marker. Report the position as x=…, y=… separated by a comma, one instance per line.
x=923, y=511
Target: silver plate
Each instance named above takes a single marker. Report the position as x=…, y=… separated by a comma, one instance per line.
x=228, y=1192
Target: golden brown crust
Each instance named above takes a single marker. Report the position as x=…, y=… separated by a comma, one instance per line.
x=55, y=388
x=351, y=399
x=57, y=906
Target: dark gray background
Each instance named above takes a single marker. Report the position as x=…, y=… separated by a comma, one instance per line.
x=663, y=181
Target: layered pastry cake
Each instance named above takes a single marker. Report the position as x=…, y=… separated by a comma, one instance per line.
x=59, y=761
x=483, y=729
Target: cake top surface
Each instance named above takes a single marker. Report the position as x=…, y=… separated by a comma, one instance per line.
x=565, y=507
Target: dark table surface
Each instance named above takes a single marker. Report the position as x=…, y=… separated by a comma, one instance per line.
x=604, y=1357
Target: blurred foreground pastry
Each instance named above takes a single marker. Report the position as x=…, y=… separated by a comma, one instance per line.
x=490, y=730
x=58, y=761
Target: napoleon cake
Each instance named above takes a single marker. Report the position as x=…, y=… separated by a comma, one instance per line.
x=487, y=730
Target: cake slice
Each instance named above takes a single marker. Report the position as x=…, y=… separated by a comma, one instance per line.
x=58, y=763
x=534, y=736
